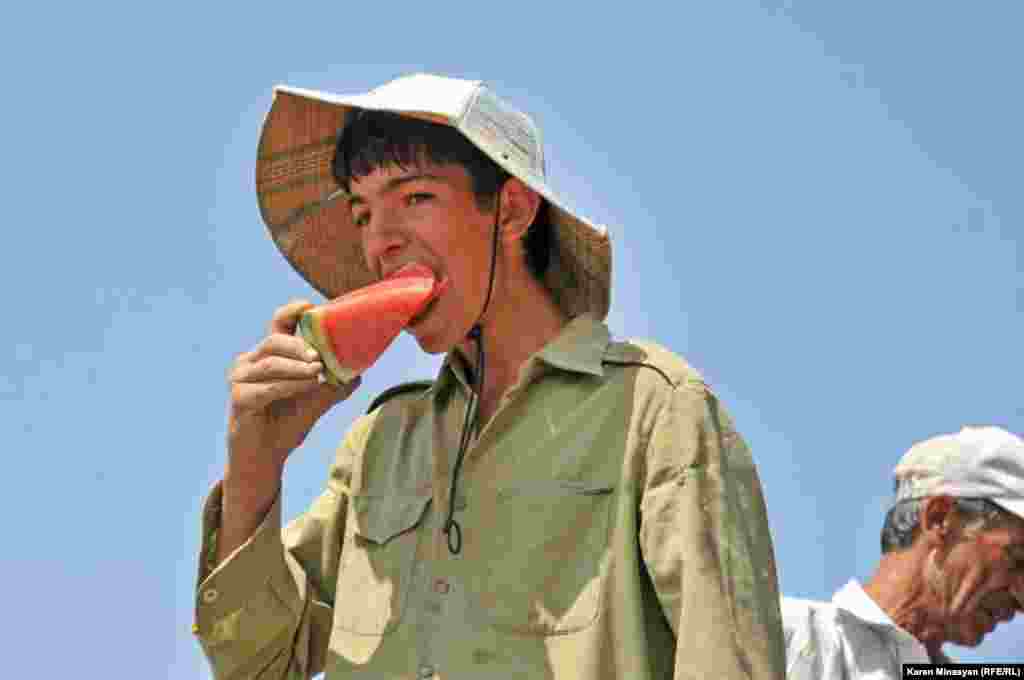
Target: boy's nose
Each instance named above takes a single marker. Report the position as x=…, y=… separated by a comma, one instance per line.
x=382, y=243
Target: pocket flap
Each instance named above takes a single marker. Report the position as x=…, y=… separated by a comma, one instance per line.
x=556, y=487
x=379, y=518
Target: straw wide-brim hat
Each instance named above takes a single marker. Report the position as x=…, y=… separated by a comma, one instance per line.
x=308, y=215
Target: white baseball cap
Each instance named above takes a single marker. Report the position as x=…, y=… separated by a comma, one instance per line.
x=976, y=462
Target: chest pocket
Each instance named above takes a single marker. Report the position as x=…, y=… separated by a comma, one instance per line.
x=545, y=557
x=377, y=561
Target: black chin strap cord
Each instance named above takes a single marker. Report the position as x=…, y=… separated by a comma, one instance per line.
x=451, y=528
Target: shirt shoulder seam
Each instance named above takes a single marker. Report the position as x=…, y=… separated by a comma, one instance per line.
x=396, y=390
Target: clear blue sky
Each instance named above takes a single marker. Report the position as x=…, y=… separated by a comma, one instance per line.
x=817, y=203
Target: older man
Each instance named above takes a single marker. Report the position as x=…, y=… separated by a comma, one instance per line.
x=952, y=567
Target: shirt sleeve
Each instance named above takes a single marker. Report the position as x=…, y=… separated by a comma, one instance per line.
x=706, y=543
x=266, y=610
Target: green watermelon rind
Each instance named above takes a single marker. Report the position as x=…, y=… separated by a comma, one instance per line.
x=310, y=331
x=310, y=326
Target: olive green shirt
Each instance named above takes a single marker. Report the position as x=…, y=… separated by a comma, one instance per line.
x=613, y=526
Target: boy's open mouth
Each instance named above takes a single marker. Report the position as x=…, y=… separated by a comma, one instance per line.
x=439, y=288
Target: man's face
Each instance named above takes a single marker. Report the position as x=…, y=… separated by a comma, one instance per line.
x=980, y=583
x=428, y=214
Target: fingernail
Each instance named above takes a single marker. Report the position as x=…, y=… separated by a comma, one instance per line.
x=311, y=355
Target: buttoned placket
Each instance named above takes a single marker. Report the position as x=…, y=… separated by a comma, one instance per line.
x=439, y=581
x=436, y=579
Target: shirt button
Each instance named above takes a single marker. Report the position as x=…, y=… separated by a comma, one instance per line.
x=210, y=596
x=426, y=672
x=441, y=586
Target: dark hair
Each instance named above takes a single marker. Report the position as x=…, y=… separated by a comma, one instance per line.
x=374, y=139
x=901, y=522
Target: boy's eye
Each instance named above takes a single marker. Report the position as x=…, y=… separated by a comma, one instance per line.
x=414, y=199
x=1015, y=554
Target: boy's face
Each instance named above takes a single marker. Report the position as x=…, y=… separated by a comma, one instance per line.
x=428, y=213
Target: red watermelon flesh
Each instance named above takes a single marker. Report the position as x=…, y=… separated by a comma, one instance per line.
x=352, y=331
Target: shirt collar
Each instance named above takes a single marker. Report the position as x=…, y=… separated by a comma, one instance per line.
x=579, y=347
x=853, y=599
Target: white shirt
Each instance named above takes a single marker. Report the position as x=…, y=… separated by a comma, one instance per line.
x=851, y=638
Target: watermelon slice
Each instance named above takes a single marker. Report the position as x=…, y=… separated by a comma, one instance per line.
x=352, y=331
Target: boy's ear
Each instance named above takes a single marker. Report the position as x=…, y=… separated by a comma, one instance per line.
x=519, y=207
